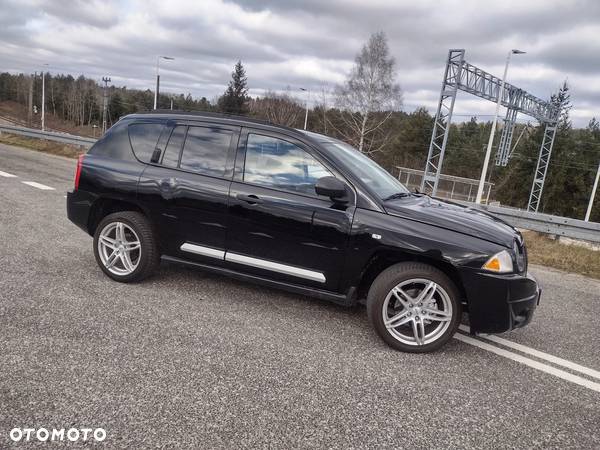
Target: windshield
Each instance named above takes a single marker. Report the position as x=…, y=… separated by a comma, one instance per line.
x=379, y=180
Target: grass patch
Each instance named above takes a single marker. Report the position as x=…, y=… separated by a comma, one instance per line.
x=42, y=145
x=571, y=258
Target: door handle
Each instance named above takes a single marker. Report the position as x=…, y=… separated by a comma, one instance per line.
x=251, y=199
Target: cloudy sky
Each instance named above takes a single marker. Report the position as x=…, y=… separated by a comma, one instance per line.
x=309, y=43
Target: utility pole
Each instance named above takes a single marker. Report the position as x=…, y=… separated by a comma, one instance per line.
x=106, y=80
x=43, y=100
x=488, y=152
x=30, y=100
x=171, y=103
x=589, y=208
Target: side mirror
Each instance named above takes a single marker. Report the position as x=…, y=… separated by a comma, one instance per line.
x=331, y=187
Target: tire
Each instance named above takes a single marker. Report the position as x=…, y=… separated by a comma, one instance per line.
x=436, y=319
x=144, y=257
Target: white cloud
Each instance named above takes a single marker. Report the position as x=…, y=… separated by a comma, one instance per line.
x=308, y=43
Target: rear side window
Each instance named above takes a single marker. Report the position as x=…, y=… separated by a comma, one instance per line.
x=144, y=137
x=205, y=150
x=171, y=153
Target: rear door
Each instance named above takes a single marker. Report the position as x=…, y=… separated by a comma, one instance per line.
x=187, y=189
x=278, y=226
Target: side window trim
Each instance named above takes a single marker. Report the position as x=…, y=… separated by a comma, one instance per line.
x=180, y=148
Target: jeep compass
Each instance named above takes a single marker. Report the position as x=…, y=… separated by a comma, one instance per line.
x=300, y=211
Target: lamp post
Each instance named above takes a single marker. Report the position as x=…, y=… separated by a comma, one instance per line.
x=44, y=98
x=488, y=151
x=158, y=58
x=589, y=208
x=306, y=113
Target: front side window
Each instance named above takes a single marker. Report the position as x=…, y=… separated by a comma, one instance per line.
x=205, y=150
x=280, y=164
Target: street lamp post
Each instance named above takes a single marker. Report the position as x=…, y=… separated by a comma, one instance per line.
x=589, y=208
x=488, y=151
x=44, y=98
x=158, y=58
x=306, y=112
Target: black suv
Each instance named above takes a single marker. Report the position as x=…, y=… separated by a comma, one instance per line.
x=300, y=211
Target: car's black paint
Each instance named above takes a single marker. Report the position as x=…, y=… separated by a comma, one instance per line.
x=345, y=241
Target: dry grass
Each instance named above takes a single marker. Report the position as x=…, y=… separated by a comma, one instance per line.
x=41, y=145
x=550, y=252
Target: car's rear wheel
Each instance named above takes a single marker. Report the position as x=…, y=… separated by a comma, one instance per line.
x=125, y=247
x=414, y=307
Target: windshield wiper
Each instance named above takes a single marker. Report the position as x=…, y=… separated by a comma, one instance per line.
x=397, y=195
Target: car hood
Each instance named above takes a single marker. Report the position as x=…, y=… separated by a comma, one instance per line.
x=452, y=216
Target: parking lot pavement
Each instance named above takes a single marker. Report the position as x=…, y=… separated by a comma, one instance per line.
x=192, y=360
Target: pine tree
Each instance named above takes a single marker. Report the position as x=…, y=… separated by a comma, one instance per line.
x=235, y=98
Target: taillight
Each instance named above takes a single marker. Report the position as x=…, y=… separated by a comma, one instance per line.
x=78, y=171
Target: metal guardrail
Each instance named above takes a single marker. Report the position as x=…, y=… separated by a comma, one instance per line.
x=545, y=223
x=49, y=135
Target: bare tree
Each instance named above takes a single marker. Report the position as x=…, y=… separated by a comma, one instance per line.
x=280, y=108
x=369, y=96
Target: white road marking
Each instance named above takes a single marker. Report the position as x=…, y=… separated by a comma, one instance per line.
x=530, y=362
x=538, y=354
x=7, y=175
x=43, y=187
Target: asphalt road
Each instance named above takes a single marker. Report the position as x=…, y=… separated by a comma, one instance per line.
x=192, y=360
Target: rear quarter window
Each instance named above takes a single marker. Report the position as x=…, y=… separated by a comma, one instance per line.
x=144, y=138
x=115, y=143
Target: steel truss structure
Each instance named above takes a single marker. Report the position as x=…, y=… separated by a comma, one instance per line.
x=460, y=75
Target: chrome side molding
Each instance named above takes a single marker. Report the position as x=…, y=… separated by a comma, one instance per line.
x=276, y=267
x=286, y=269
x=204, y=251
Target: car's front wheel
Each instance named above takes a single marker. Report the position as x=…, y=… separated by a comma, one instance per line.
x=414, y=307
x=125, y=246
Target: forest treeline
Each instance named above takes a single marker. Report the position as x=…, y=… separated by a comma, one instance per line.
x=403, y=138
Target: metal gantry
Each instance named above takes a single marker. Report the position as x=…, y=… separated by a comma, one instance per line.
x=443, y=117
x=460, y=75
x=503, y=153
x=542, y=168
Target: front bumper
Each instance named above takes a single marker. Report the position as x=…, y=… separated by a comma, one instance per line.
x=499, y=302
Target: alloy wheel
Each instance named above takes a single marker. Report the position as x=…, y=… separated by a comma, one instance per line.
x=119, y=248
x=417, y=311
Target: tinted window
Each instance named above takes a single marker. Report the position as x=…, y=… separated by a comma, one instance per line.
x=171, y=154
x=144, y=137
x=280, y=164
x=371, y=173
x=115, y=143
x=205, y=150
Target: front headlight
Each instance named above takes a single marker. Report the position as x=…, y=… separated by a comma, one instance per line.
x=499, y=263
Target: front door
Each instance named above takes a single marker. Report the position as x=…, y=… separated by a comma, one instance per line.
x=278, y=226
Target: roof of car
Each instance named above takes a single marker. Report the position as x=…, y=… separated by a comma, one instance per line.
x=230, y=118
x=167, y=113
